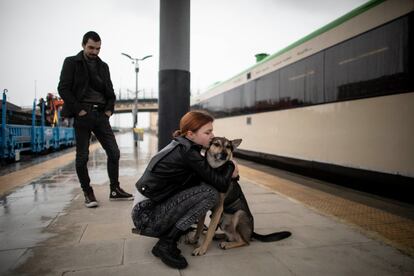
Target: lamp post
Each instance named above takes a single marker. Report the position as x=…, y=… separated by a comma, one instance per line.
x=135, y=61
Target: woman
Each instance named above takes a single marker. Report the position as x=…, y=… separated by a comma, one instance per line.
x=178, y=186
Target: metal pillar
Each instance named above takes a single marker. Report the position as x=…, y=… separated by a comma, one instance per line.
x=174, y=74
x=136, y=95
x=3, y=145
x=33, y=140
x=135, y=110
x=42, y=127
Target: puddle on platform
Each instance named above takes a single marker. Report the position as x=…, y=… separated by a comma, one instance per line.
x=28, y=210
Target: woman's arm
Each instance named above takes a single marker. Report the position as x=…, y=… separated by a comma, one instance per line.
x=236, y=169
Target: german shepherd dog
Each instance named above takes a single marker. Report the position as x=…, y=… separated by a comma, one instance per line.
x=232, y=213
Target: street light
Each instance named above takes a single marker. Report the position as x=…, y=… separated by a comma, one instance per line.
x=135, y=61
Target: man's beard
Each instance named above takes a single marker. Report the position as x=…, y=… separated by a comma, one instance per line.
x=91, y=56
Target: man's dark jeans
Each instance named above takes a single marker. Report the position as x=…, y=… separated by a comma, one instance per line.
x=98, y=123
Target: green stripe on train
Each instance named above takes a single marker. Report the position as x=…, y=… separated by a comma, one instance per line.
x=357, y=11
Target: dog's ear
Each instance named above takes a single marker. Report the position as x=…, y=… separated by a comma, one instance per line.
x=236, y=142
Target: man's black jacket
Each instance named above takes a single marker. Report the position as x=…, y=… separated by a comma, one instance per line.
x=179, y=166
x=74, y=82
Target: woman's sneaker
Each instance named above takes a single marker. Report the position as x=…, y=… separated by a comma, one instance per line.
x=90, y=200
x=118, y=194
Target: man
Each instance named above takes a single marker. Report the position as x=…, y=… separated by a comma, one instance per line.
x=86, y=88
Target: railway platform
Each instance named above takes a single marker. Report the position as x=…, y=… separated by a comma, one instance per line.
x=46, y=230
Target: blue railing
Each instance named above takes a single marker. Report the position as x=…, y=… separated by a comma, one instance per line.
x=18, y=138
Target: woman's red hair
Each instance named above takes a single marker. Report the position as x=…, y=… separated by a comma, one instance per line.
x=193, y=121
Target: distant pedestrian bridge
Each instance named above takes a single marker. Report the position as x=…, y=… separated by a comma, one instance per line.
x=144, y=105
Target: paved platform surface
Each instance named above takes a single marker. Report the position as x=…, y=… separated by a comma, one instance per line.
x=46, y=230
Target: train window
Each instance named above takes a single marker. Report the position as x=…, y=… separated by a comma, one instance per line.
x=368, y=65
x=301, y=83
x=215, y=104
x=267, y=92
x=375, y=63
x=232, y=101
x=248, y=97
x=292, y=92
x=196, y=106
x=314, y=86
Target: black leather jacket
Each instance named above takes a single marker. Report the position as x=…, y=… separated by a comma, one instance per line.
x=74, y=82
x=179, y=166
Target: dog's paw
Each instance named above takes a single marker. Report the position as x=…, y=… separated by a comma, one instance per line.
x=191, y=238
x=199, y=251
x=222, y=245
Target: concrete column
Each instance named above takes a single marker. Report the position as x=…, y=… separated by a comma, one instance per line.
x=174, y=74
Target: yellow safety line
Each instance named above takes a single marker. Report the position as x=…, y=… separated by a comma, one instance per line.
x=390, y=228
x=24, y=176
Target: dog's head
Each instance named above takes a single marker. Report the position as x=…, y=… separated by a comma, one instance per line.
x=221, y=150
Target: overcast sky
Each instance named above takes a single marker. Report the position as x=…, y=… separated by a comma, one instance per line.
x=37, y=35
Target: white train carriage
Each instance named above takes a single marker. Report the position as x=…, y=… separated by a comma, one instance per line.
x=339, y=102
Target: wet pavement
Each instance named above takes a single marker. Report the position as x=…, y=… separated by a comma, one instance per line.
x=46, y=230
x=27, y=160
x=26, y=212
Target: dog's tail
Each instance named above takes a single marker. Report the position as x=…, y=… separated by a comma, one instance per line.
x=277, y=236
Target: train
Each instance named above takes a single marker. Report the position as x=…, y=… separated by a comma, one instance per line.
x=50, y=134
x=337, y=104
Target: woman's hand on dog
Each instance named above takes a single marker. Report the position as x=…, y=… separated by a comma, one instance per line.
x=236, y=169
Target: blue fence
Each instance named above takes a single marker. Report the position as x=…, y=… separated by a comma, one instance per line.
x=18, y=138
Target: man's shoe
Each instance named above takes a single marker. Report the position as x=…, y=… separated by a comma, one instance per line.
x=167, y=251
x=90, y=200
x=118, y=194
